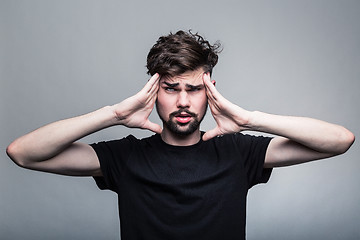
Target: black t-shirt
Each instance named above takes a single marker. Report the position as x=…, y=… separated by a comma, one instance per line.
x=182, y=192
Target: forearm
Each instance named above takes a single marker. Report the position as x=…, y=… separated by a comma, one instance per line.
x=315, y=134
x=51, y=139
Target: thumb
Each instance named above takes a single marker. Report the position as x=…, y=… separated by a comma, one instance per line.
x=210, y=134
x=152, y=127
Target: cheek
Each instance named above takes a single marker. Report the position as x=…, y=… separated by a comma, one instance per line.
x=201, y=101
x=162, y=100
x=164, y=105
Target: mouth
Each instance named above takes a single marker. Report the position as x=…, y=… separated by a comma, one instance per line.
x=183, y=118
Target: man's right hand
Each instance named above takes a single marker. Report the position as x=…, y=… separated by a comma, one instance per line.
x=134, y=111
x=53, y=147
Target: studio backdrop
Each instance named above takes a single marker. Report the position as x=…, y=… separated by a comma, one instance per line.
x=60, y=59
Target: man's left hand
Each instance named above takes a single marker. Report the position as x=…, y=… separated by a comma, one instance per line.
x=229, y=117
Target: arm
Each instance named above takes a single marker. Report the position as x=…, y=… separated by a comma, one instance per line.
x=299, y=139
x=302, y=139
x=52, y=148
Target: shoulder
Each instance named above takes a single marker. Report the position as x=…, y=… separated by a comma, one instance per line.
x=127, y=141
x=236, y=138
x=121, y=148
x=240, y=140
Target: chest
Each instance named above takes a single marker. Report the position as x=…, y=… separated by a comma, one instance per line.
x=185, y=173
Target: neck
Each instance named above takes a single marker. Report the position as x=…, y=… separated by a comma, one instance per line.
x=179, y=140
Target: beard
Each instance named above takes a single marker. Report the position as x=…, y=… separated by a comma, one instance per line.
x=182, y=129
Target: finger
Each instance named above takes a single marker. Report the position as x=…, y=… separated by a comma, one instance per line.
x=212, y=101
x=152, y=83
x=154, y=93
x=155, y=84
x=151, y=89
x=152, y=127
x=206, y=82
x=210, y=86
x=211, y=134
x=154, y=78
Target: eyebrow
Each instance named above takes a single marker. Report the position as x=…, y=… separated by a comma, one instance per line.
x=187, y=85
x=194, y=86
x=171, y=84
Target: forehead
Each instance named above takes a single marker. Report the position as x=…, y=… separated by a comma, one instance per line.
x=190, y=77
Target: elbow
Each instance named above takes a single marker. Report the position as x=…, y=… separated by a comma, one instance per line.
x=346, y=141
x=14, y=154
x=351, y=140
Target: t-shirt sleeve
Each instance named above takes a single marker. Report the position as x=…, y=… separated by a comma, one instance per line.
x=111, y=155
x=254, y=150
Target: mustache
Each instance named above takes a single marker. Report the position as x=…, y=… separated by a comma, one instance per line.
x=180, y=111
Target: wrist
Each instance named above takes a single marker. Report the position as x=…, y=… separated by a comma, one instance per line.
x=104, y=116
x=254, y=120
x=242, y=118
x=112, y=114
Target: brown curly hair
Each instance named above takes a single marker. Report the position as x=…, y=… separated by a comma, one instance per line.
x=175, y=54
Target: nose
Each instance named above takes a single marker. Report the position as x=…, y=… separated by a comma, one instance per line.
x=183, y=100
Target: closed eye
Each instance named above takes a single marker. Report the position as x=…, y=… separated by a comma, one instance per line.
x=194, y=89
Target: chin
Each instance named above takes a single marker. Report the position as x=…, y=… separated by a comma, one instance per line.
x=180, y=129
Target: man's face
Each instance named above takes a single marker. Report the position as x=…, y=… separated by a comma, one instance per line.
x=182, y=102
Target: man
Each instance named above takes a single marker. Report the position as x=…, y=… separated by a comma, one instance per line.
x=180, y=183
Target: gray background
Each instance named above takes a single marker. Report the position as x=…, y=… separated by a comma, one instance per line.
x=65, y=58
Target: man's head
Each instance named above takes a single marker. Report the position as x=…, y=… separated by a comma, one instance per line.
x=182, y=102
x=175, y=54
x=182, y=59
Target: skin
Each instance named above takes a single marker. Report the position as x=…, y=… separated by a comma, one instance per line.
x=298, y=139
x=185, y=96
